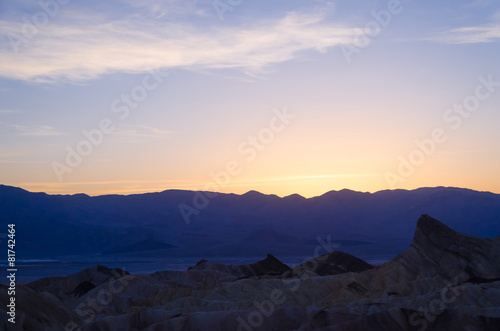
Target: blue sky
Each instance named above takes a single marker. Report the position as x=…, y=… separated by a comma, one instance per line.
x=221, y=76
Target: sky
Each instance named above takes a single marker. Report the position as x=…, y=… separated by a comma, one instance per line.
x=279, y=96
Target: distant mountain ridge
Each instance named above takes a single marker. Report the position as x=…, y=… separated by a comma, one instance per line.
x=251, y=224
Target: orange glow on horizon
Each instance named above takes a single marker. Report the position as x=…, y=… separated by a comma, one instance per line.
x=306, y=186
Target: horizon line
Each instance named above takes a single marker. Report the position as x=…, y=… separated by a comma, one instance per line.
x=250, y=191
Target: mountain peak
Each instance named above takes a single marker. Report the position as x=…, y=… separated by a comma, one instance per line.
x=294, y=196
x=343, y=193
x=252, y=193
x=431, y=230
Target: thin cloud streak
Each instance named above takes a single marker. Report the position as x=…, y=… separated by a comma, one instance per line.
x=36, y=130
x=470, y=35
x=270, y=181
x=16, y=158
x=9, y=111
x=53, y=184
x=327, y=176
x=21, y=162
x=142, y=131
x=156, y=131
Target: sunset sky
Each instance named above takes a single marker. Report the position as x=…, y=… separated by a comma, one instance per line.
x=279, y=96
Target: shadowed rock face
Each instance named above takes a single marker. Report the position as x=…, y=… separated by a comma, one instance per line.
x=439, y=256
x=333, y=263
x=82, y=288
x=70, y=288
x=270, y=266
x=444, y=281
x=35, y=310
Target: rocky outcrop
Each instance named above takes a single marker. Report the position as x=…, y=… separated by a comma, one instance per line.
x=333, y=263
x=35, y=311
x=70, y=288
x=437, y=257
x=444, y=281
x=270, y=266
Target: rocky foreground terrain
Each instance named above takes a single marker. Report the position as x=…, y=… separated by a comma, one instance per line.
x=444, y=281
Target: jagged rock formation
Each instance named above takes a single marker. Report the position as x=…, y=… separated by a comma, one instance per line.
x=444, y=281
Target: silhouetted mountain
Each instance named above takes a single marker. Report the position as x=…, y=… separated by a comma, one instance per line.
x=251, y=224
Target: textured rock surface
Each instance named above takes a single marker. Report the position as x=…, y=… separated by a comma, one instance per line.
x=70, y=288
x=36, y=311
x=444, y=281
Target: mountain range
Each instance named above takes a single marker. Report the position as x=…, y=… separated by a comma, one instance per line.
x=252, y=224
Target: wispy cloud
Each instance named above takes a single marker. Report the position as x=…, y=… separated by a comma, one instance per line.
x=157, y=131
x=57, y=184
x=17, y=158
x=36, y=130
x=8, y=161
x=86, y=46
x=9, y=111
x=142, y=131
x=274, y=180
x=327, y=176
x=470, y=35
